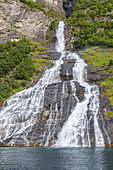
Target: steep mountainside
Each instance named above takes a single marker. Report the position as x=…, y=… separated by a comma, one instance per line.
x=55, y=4
x=68, y=7
x=22, y=62
x=92, y=30
x=92, y=23
x=31, y=27
x=20, y=18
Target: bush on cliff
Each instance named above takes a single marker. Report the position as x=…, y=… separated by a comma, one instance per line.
x=91, y=23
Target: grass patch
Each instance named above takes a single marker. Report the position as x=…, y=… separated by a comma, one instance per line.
x=97, y=56
x=109, y=114
x=40, y=61
x=109, y=95
x=108, y=82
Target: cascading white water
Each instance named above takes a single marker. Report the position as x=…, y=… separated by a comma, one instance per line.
x=60, y=44
x=23, y=109
x=76, y=131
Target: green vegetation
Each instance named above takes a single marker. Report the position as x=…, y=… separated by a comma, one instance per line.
x=98, y=56
x=108, y=82
x=91, y=23
x=24, y=70
x=8, y=87
x=11, y=54
x=109, y=94
x=53, y=24
x=109, y=114
x=17, y=67
x=101, y=58
x=32, y=5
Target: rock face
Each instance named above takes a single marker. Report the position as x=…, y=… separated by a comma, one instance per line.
x=96, y=76
x=55, y=4
x=68, y=7
x=58, y=103
x=17, y=20
x=59, y=100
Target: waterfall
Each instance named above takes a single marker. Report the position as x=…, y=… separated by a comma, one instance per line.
x=68, y=117
x=23, y=109
x=76, y=131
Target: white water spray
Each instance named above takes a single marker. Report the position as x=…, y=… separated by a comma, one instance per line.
x=23, y=109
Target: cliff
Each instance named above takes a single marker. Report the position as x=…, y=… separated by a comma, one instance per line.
x=17, y=19
x=36, y=20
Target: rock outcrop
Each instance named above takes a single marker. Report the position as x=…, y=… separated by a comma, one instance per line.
x=96, y=76
x=68, y=7
x=57, y=5
x=18, y=20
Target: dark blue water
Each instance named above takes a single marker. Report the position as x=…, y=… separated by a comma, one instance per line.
x=56, y=158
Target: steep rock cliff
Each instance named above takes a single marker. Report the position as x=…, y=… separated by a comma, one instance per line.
x=55, y=4
x=18, y=20
x=68, y=7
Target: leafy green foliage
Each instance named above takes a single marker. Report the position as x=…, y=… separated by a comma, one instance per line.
x=91, y=23
x=109, y=114
x=11, y=54
x=14, y=55
x=53, y=24
x=24, y=70
x=18, y=63
x=8, y=87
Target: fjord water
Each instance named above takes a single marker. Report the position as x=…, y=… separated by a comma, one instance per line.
x=56, y=158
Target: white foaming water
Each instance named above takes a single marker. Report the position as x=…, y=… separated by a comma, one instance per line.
x=23, y=109
x=60, y=45
x=76, y=130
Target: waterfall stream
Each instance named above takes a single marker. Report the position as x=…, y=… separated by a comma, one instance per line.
x=76, y=130
x=69, y=118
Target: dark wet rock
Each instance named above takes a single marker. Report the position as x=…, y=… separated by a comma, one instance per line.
x=48, y=55
x=68, y=7
x=66, y=72
x=97, y=76
x=56, y=93
x=80, y=91
x=2, y=144
x=1, y=105
x=109, y=125
x=52, y=54
x=69, y=61
x=57, y=108
x=103, y=102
